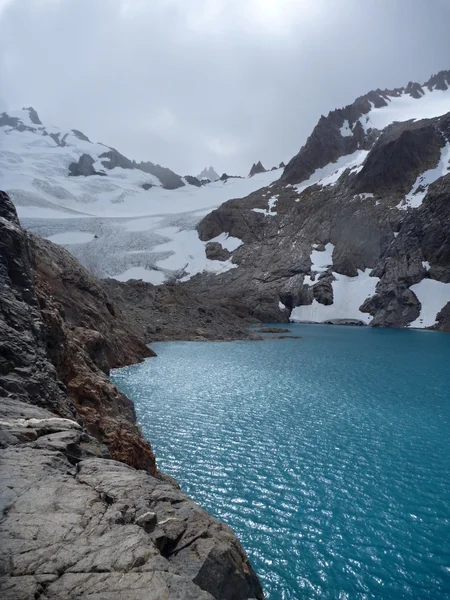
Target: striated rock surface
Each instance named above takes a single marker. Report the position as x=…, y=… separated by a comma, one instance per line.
x=74, y=523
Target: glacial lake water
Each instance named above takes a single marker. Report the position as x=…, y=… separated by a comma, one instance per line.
x=328, y=455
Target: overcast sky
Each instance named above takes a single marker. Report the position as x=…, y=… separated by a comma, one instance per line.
x=188, y=83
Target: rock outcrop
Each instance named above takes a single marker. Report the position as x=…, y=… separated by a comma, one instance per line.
x=169, y=180
x=193, y=180
x=422, y=240
x=215, y=251
x=208, y=173
x=225, y=176
x=61, y=336
x=85, y=512
x=84, y=167
x=256, y=169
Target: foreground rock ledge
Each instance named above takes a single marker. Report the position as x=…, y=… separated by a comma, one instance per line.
x=74, y=523
x=77, y=526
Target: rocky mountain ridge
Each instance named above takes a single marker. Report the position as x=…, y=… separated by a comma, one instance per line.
x=358, y=225
x=348, y=129
x=85, y=512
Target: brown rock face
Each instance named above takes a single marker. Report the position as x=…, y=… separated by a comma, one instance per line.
x=86, y=337
x=64, y=338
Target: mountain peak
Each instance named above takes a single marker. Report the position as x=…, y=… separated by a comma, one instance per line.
x=26, y=118
x=256, y=169
x=34, y=117
x=358, y=125
x=208, y=173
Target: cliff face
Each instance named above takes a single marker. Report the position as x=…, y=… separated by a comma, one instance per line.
x=61, y=338
x=75, y=523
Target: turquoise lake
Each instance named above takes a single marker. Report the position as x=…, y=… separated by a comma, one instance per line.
x=328, y=455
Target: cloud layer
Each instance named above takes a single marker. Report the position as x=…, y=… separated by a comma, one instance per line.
x=189, y=83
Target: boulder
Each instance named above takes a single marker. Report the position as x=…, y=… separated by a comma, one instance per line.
x=215, y=251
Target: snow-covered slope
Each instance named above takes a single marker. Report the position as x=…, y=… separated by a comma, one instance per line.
x=404, y=107
x=114, y=226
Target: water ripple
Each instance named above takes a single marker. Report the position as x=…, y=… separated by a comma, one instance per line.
x=329, y=455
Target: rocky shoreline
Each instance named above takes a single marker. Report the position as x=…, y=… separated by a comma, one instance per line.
x=85, y=511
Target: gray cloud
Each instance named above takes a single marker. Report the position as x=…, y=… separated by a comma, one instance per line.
x=189, y=83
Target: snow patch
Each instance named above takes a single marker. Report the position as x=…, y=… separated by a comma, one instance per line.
x=34, y=170
x=349, y=293
x=227, y=241
x=433, y=296
x=143, y=224
x=426, y=265
x=329, y=174
x=188, y=255
x=269, y=212
x=420, y=188
x=281, y=306
x=345, y=130
x=322, y=259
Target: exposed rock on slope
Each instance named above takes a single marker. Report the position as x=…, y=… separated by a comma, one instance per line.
x=351, y=240
x=170, y=180
x=257, y=168
x=420, y=252
x=25, y=369
x=179, y=311
x=77, y=526
x=74, y=523
x=84, y=167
